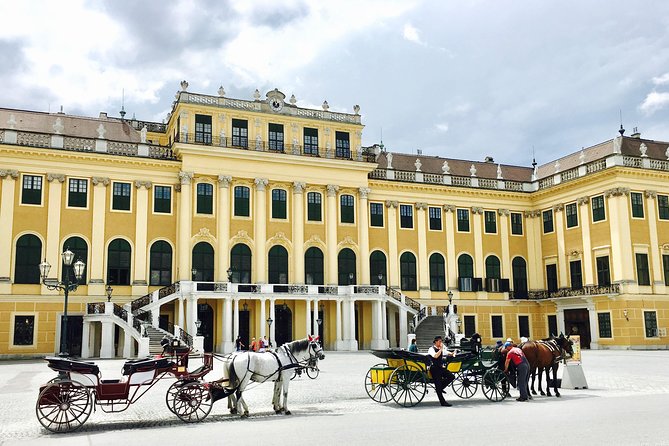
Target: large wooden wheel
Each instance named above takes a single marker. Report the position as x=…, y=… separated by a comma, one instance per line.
x=192, y=402
x=172, y=393
x=379, y=392
x=495, y=385
x=465, y=384
x=408, y=385
x=63, y=406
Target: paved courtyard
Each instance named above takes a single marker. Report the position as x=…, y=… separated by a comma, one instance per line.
x=625, y=403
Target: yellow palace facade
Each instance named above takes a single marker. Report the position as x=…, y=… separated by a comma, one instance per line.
x=260, y=218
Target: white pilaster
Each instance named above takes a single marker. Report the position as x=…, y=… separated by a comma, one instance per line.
x=260, y=230
x=107, y=346
x=331, y=223
x=298, y=233
x=85, y=340
x=223, y=227
x=272, y=329
x=184, y=226
x=307, y=314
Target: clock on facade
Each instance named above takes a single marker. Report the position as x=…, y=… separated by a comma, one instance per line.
x=276, y=104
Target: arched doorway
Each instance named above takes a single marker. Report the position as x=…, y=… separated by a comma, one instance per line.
x=278, y=264
x=377, y=268
x=346, y=267
x=284, y=325
x=240, y=263
x=519, y=268
x=205, y=314
x=313, y=266
x=203, y=262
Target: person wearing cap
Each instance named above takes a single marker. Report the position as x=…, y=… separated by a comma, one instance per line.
x=516, y=356
x=441, y=376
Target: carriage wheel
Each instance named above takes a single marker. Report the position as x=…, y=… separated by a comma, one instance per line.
x=408, y=385
x=172, y=393
x=192, y=402
x=495, y=385
x=376, y=391
x=465, y=384
x=312, y=372
x=63, y=406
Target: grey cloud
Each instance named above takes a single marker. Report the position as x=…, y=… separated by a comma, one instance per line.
x=13, y=59
x=278, y=15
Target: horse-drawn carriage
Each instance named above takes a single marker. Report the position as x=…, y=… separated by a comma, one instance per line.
x=405, y=376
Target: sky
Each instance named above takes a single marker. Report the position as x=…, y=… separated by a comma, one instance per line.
x=463, y=79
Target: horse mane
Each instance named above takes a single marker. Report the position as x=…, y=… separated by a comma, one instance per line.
x=298, y=346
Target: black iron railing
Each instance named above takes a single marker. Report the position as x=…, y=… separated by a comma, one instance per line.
x=120, y=312
x=589, y=290
x=95, y=308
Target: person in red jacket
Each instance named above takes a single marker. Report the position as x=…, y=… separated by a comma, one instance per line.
x=516, y=355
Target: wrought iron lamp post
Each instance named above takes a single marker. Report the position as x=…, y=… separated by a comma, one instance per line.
x=269, y=335
x=380, y=277
x=194, y=274
x=66, y=285
x=229, y=271
x=109, y=290
x=198, y=324
x=350, y=278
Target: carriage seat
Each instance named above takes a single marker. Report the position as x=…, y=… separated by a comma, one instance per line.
x=473, y=344
x=144, y=365
x=72, y=365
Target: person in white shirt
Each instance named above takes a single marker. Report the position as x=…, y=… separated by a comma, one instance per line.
x=441, y=376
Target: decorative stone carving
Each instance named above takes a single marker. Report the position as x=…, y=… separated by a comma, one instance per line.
x=185, y=177
x=364, y=192
x=503, y=212
x=575, y=253
x=667, y=153
x=477, y=210
x=327, y=132
x=325, y=106
x=418, y=164
x=558, y=207
x=261, y=183
x=293, y=127
x=221, y=135
x=257, y=123
x=617, y=192
x=472, y=170
x=392, y=204
x=11, y=122
x=101, y=131
x=221, y=91
x=332, y=190
x=184, y=85
x=177, y=187
x=389, y=160
x=532, y=214
x=314, y=240
x=296, y=147
x=346, y=241
x=581, y=157
x=100, y=181
x=499, y=172
x=205, y=234
x=50, y=177
x=650, y=193
x=445, y=168
x=14, y=174
x=145, y=184
x=58, y=126
x=292, y=100
x=241, y=237
x=224, y=181
x=258, y=143
x=356, y=109
x=557, y=166
x=583, y=201
x=298, y=187
x=449, y=207
x=256, y=95
x=142, y=135
x=278, y=239
x=421, y=206
x=643, y=149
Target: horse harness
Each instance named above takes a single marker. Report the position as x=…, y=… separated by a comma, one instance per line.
x=555, y=349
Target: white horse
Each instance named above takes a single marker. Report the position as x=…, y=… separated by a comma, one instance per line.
x=274, y=365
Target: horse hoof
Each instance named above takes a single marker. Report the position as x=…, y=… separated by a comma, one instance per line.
x=557, y=395
x=543, y=394
x=277, y=411
x=534, y=393
x=288, y=412
x=245, y=415
x=233, y=411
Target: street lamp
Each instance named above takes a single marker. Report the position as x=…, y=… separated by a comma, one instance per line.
x=245, y=307
x=269, y=323
x=229, y=271
x=380, y=276
x=350, y=278
x=450, y=297
x=193, y=273
x=459, y=322
x=198, y=324
x=67, y=286
x=109, y=290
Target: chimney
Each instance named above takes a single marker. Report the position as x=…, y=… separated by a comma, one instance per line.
x=636, y=133
x=489, y=159
x=103, y=115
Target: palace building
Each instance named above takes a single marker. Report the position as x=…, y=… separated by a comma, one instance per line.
x=262, y=218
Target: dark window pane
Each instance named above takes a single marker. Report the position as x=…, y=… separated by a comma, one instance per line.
x=32, y=189
x=516, y=223
x=524, y=326
x=121, y=196
x=490, y=222
x=205, y=198
x=492, y=268
x=346, y=267
x=376, y=214
x=314, y=206
x=240, y=263
x=437, y=273
x=24, y=329
x=650, y=319
x=435, y=218
x=519, y=267
x=77, y=193
x=576, y=275
x=463, y=220
x=310, y=141
x=408, y=272
x=497, y=326
x=279, y=197
x=162, y=199
x=203, y=129
x=552, y=325
x=603, y=272
x=28, y=258
x=572, y=215
x=665, y=267
x=80, y=249
x=598, y=211
x=242, y=208
x=118, y=262
x=276, y=137
x=347, y=209
x=470, y=325
x=313, y=267
x=377, y=268
x=551, y=277
x=663, y=206
x=160, y=263
x=637, y=204
x=342, y=145
x=465, y=273
x=278, y=265
x=203, y=262
x=604, y=322
x=642, y=272
x=548, y=221
x=406, y=216
x=240, y=133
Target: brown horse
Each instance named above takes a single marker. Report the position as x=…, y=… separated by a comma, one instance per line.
x=545, y=355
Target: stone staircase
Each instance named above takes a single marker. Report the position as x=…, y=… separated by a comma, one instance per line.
x=427, y=329
x=155, y=335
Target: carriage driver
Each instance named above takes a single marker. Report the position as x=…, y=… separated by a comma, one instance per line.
x=516, y=355
x=441, y=376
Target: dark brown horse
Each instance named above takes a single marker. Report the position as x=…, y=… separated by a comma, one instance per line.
x=545, y=355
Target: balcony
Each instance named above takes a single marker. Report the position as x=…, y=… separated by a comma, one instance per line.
x=470, y=284
x=591, y=290
x=243, y=143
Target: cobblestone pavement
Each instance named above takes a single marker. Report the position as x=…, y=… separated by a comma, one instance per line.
x=626, y=402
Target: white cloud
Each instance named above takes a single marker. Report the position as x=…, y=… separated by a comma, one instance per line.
x=410, y=33
x=661, y=80
x=654, y=101
x=442, y=127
